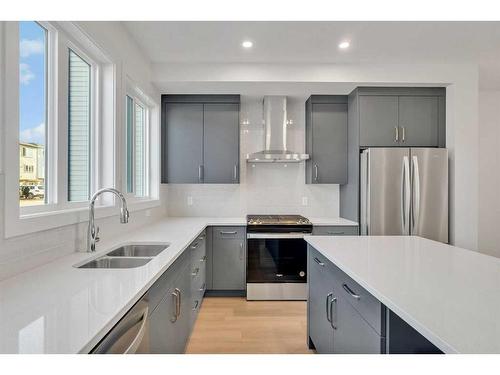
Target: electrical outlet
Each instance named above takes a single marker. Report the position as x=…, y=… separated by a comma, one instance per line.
x=304, y=201
x=190, y=201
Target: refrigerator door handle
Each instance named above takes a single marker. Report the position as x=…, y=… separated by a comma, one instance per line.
x=416, y=192
x=405, y=196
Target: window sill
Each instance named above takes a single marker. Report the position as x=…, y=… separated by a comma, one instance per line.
x=40, y=221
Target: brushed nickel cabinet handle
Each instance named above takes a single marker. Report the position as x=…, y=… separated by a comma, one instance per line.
x=403, y=131
x=335, y=233
x=195, y=272
x=319, y=262
x=328, y=311
x=350, y=291
x=315, y=172
x=223, y=232
x=396, y=134
x=332, y=323
x=200, y=173
x=195, y=245
x=235, y=172
x=196, y=303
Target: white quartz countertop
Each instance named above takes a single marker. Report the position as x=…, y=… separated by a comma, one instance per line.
x=57, y=308
x=448, y=294
x=331, y=221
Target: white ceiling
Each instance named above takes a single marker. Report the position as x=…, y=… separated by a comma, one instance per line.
x=296, y=42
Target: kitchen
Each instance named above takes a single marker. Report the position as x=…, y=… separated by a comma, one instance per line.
x=234, y=196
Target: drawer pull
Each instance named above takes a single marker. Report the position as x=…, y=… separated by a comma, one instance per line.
x=204, y=258
x=319, y=262
x=202, y=289
x=196, y=303
x=195, y=272
x=224, y=232
x=201, y=238
x=195, y=245
x=336, y=233
x=350, y=291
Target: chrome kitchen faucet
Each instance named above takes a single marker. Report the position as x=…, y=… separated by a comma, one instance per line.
x=93, y=231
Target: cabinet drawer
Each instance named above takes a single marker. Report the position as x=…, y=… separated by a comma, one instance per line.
x=160, y=288
x=367, y=305
x=337, y=230
x=228, y=232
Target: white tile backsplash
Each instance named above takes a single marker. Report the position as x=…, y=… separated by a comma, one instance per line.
x=264, y=188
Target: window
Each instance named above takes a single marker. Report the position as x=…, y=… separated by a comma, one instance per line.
x=33, y=78
x=136, y=169
x=79, y=128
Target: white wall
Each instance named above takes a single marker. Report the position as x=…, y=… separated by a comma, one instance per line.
x=489, y=172
x=462, y=112
x=21, y=253
x=267, y=188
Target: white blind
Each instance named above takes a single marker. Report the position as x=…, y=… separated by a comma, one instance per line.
x=79, y=129
x=139, y=150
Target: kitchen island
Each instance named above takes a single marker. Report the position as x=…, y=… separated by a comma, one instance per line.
x=449, y=295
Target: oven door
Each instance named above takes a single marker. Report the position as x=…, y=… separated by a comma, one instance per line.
x=276, y=258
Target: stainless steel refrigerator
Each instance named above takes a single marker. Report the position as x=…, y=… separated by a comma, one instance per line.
x=404, y=191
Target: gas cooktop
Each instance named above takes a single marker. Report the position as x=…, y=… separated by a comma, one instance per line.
x=277, y=220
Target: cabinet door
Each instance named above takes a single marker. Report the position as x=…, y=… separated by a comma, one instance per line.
x=418, y=120
x=353, y=335
x=184, y=142
x=378, y=120
x=320, y=295
x=329, y=143
x=221, y=143
x=228, y=265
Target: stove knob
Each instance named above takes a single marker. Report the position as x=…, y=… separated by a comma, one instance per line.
x=302, y=273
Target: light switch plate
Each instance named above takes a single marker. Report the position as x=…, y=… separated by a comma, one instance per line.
x=304, y=201
x=190, y=201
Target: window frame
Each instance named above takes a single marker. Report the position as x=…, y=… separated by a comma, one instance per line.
x=138, y=98
x=107, y=165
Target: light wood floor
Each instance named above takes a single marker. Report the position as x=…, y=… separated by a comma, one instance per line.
x=235, y=325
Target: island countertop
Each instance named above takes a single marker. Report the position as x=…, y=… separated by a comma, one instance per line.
x=448, y=294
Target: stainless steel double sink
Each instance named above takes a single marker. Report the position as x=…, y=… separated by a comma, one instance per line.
x=127, y=256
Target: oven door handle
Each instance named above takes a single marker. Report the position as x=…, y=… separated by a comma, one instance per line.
x=276, y=235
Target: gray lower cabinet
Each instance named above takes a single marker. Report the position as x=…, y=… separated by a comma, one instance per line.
x=200, y=139
x=334, y=324
x=335, y=230
x=198, y=274
x=326, y=140
x=228, y=258
x=170, y=322
x=319, y=304
x=184, y=143
x=352, y=334
x=220, y=143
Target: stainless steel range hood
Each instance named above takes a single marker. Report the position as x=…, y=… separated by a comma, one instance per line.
x=275, y=137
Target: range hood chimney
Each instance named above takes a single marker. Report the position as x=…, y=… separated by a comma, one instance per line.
x=275, y=137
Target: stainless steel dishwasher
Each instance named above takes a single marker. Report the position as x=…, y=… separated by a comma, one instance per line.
x=130, y=335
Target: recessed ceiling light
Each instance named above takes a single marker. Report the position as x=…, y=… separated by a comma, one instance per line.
x=344, y=45
x=247, y=44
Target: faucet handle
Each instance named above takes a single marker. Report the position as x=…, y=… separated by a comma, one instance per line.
x=96, y=235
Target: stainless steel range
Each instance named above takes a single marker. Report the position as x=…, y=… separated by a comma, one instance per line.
x=277, y=257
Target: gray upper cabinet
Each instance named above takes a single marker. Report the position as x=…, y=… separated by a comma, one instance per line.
x=326, y=140
x=184, y=142
x=200, y=139
x=221, y=146
x=378, y=120
x=418, y=120
x=400, y=117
